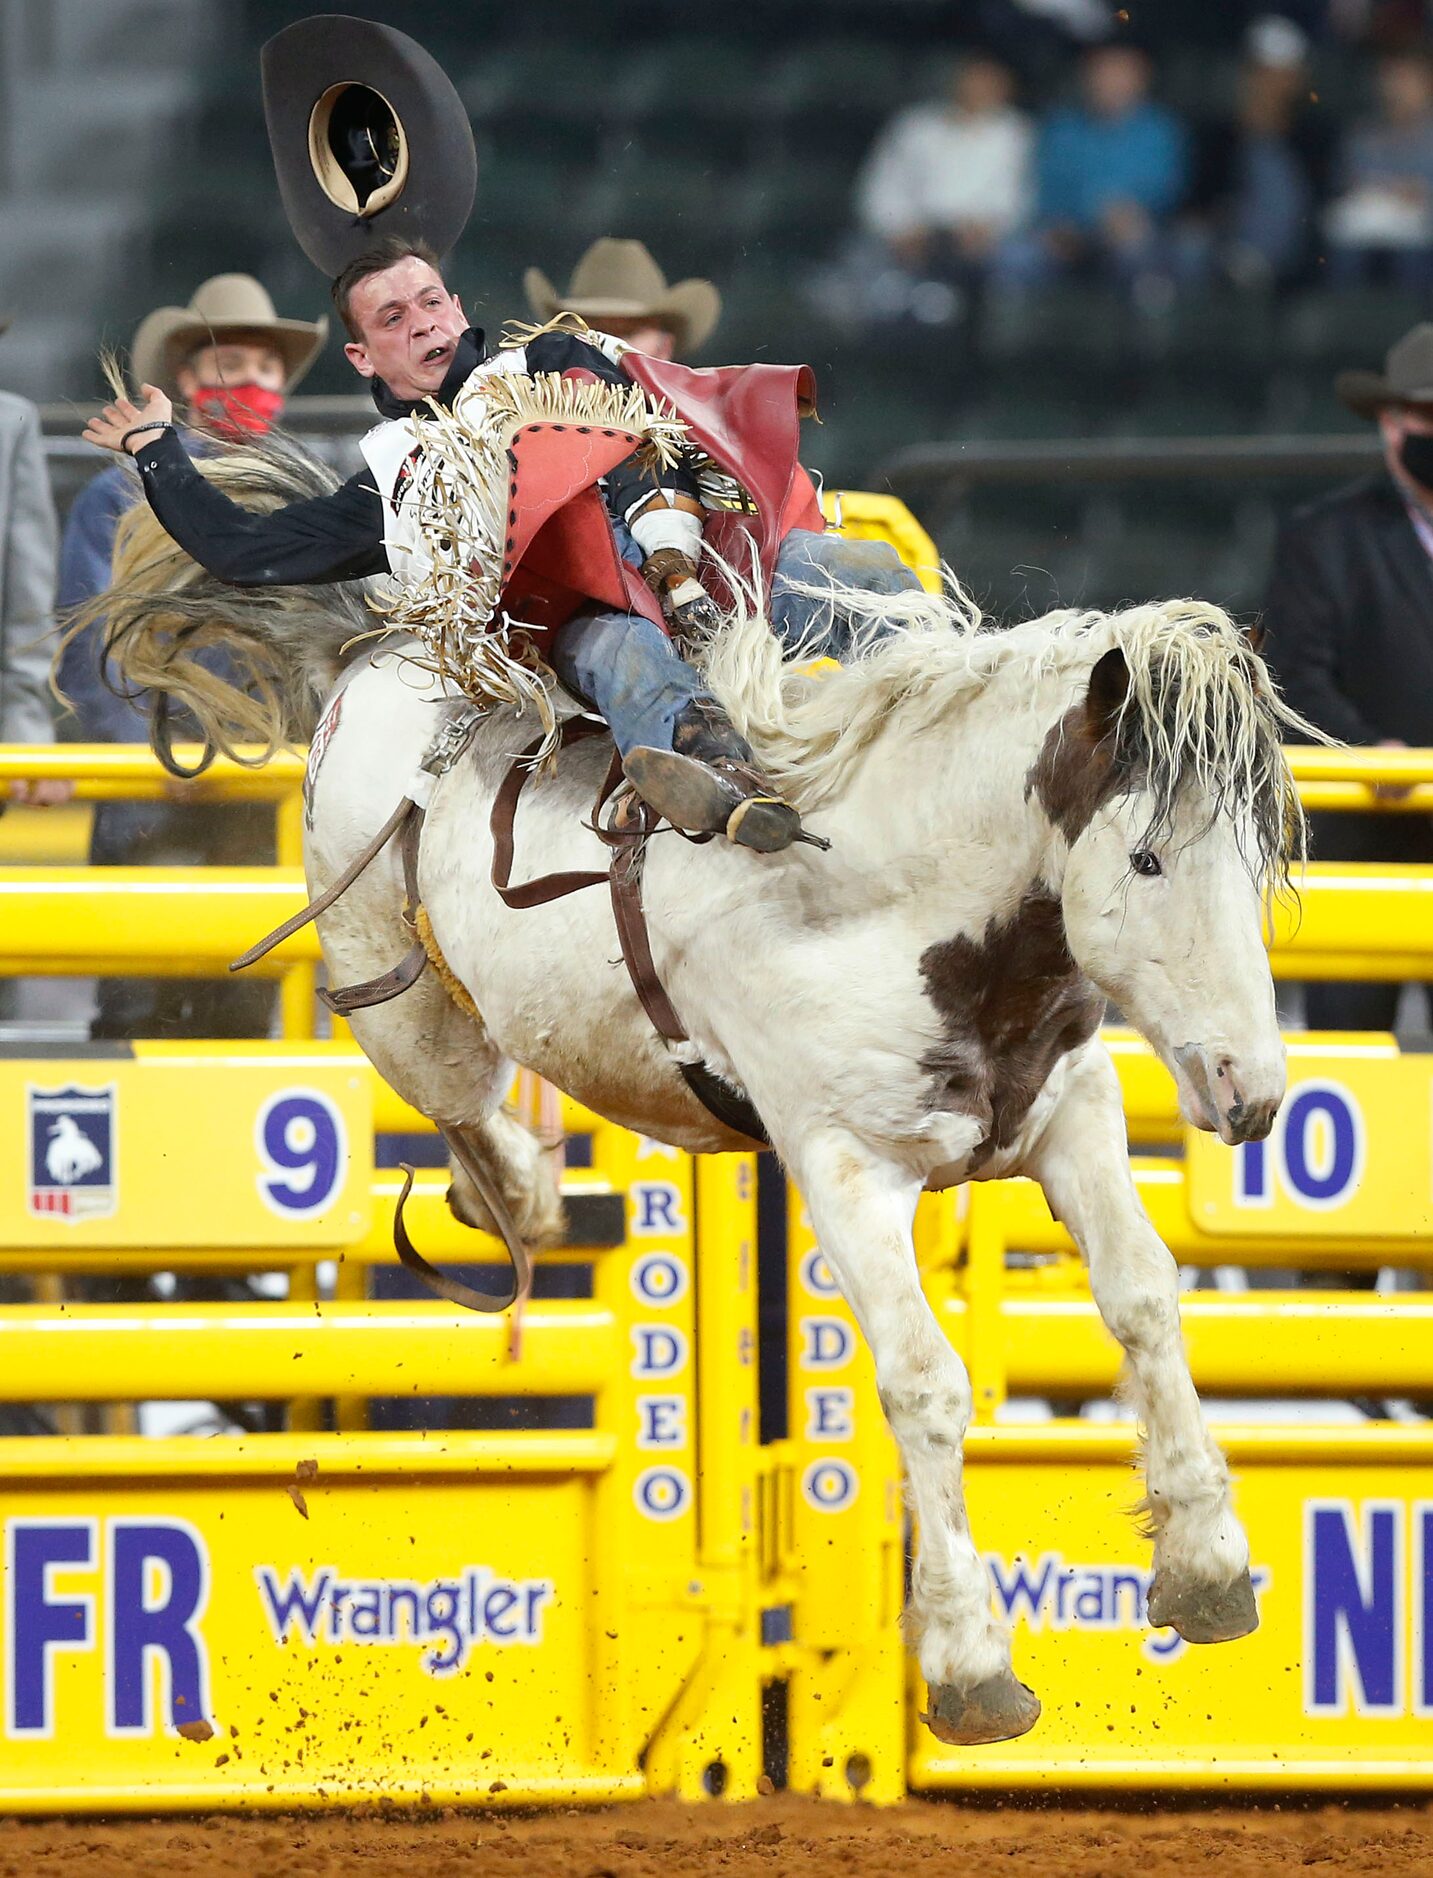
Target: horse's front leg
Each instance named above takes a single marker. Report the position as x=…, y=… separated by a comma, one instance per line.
x=862, y=1208
x=1201, y=1556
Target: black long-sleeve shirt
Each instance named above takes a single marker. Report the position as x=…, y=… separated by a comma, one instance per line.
x=340, y=536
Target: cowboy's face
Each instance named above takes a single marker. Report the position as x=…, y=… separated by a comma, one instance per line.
x=229, y=363
x=657, y=341
x=409, y=327
x=1396, y=422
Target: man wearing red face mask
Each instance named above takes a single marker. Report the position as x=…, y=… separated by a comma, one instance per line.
x=228, y=360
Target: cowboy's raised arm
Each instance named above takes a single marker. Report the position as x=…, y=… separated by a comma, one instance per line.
x=333, y=537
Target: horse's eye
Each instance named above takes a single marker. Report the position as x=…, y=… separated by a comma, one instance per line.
x=1145, y=861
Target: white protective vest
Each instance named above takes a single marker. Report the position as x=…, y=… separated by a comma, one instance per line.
x=390, y=450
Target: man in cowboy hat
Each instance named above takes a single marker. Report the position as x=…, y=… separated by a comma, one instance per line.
x=1348, y=624
x=230, y=361
x=618, y=288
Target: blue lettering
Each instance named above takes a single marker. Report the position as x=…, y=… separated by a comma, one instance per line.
x=163, y=1627
x=1337, y=1173
x=662, y=1492
x=499, y=1601
x=816, y=1276
x=659, y=1278
x=1251, y=1174
x=302, y=1149
x=829, y=1414
x=659, y=1208
x=36, y=1622
x=829, y=1486
x=1020, y=1593
x=828, y=1342
x=1352, y=1613
x=294, y=1606
x=660, y=1352
x=662, y=1421
x=1423, y=1591
x=440, y=1614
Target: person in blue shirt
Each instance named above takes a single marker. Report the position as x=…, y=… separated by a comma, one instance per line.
x=1109, y=173
x=230, y=361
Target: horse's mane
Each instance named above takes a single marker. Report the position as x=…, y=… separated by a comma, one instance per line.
x=1201, y=708
x=269, y=653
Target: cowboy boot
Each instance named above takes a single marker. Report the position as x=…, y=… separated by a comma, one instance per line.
x=708, y=782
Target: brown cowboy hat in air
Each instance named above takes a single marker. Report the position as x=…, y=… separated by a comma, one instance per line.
x=619, y=280
x=228, y=307
x=1406, y=378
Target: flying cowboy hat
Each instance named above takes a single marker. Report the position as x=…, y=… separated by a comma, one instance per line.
x=1406, y=378
x=620, y=280
x=227, y=307
x=369, y=139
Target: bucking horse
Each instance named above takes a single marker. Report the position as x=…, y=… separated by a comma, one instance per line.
x=1023, y=822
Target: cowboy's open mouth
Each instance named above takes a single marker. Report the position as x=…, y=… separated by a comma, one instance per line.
x=434, y=353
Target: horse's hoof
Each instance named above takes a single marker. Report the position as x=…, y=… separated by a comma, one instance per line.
x=998, y=1709
x=1204, y=1613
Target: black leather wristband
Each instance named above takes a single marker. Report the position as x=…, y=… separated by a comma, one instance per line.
x=155, y=424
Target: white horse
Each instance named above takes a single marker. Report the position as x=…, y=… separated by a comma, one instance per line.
x=1022, y=824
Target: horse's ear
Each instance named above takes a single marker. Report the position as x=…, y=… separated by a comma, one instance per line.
x=1109, y=687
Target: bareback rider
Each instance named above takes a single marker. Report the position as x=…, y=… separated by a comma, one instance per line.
x=376, y=166
x=411, y=340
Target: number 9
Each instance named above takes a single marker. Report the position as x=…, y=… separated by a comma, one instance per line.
x=302, y=1149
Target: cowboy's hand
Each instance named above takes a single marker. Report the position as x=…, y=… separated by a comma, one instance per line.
x=114, y=422
x=690, y=609
x=50, y=792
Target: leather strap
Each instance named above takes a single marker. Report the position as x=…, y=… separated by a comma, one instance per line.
x=453, y=1289
x=546, y=887
x=625, y=882
x=330, y=895
x=414, y=962
x=626, y=832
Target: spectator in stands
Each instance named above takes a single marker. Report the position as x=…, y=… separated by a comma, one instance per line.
x=1261, y=174
x=618, y=288
x=1349, y=628
x=946, y=183
x=231, y=361
x=1110, y=172
x=28, y=536
x=1380, y=224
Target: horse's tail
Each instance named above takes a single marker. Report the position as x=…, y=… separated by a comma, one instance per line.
x=282, y=647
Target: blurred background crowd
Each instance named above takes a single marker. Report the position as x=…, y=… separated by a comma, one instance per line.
x=981, y=220
x=1052, y=247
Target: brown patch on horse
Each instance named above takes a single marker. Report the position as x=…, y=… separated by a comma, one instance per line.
x=1011, y=1003
x=1076, y=772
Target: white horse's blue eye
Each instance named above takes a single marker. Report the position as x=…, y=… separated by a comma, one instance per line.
x=1145, y=861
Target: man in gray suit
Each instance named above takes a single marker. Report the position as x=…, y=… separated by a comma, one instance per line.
x=29, y=542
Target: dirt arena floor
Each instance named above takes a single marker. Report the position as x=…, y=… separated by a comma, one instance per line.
x=766, y=1839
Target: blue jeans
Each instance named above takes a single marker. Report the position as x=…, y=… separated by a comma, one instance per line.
x=629, y=672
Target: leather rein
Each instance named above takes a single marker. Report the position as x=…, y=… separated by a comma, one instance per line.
x=629, y=824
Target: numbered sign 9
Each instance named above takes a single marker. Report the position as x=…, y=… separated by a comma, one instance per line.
x=303, y=1151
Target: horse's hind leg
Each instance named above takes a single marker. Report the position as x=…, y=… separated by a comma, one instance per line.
x=519, y=1166
x=444, y=1063
x=862, y=1208
x=1201, y=1582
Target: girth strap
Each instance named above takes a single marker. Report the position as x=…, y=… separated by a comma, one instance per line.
x=628, y=828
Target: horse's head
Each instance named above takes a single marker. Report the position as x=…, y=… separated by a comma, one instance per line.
x=1168, y=783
